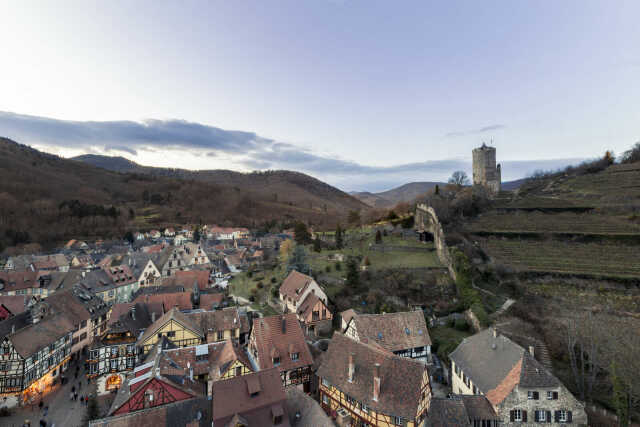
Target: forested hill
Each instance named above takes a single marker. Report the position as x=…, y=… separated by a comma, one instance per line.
x=276, y=186
x=46, y=199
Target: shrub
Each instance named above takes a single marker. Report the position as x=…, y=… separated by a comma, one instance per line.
x=273, y=280
x=461, y=325
x=250, y=273
x=260, y=285
x=252, y=298
x=480, y=313
x=327, y=268
x=338, y=266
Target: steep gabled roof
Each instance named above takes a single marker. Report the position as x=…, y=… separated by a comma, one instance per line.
x=495, y=364
x=233, y=397
x=217, y=358
x=271, y=339
x=32, y=338
x=447, y=413
x=401, y=377
x=294, y=284
x=393, y=331
x=175, y=315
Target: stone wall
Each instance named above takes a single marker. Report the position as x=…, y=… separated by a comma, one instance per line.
x=427, y=220
x=518, y=399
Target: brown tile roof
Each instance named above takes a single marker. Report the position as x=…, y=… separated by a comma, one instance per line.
x=182, y=300
x=16, y=304
x=447, y=413
x=186, y=278
x=400, y=390
x=209, y=301
x=232, y=398
x=18, y=280
x=478, y=407
x=269, y=337
x=294, y=284
x=305, y=309
x=32, y=338
x=219, y=356
x=216, y=320
x=393, y=331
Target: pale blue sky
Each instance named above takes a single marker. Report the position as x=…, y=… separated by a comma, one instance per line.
x=362, y=94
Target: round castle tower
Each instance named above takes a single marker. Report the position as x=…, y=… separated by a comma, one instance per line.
x=485, y=171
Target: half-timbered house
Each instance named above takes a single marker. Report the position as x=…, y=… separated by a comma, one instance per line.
x=404, y=334
x=365, y=384
x=278, y=341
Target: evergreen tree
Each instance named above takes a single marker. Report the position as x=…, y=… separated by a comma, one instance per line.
x=353, y=276
x=316, y=244
x=378, y=237
x=196, y=235
x=339, y=243
x=302, y=235
x=437, y=190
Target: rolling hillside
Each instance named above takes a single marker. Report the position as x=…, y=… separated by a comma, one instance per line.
x=46, y=199
x=273, y=186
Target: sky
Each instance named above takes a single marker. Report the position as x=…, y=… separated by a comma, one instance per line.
x=365, y=95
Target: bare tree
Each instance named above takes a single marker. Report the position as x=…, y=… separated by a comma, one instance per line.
x=585, y=344
x=459, y=178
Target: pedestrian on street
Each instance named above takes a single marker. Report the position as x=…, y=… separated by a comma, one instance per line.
x=70, y=395
x=73, y=389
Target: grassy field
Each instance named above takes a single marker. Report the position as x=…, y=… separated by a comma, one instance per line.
x=566, y=222
x=359, y=246
x=604, y=259
x=243, y=285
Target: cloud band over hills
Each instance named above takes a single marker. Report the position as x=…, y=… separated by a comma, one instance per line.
x=246, y=150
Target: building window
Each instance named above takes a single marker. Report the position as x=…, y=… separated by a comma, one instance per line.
x=114, y=351
x=4, y=366
x=294, y=356
x=517, y=415
x=398, y=421
x=562, y=416
x=276, y=361
x=114, y=364
x=220, y=335
x=238, y=371
x=171, y=334
x=552, y=395
x=365, y=408
x=326, y=383
x=541, y=415
x=351, y=400
x=325, y=399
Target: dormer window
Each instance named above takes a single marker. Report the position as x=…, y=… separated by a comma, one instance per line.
x=276, y=361
x=295, y=356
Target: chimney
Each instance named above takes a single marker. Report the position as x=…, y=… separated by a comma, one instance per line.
x=133, y=312
x=13, y=329
x=153, y=317
x=532, y=351
x=376, y=382
x=495, y=333
x=352, y=367
x=284, y=325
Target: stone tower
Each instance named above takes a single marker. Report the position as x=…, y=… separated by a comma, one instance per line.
x=485, y=171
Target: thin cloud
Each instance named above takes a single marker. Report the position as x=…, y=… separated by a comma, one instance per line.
x=481, y=130
x=243, y=149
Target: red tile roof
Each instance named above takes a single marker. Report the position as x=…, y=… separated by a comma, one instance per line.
x=270, y=337
x=186, y=278
x=294, y=284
